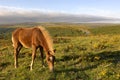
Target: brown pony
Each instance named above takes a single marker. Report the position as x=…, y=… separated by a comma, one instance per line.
x=34, y=38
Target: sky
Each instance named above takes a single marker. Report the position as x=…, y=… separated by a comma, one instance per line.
x=105, y=8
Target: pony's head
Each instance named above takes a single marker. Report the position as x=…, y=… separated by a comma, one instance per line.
x=50, y=61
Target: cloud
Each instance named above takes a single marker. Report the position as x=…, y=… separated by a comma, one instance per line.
x=98, y=12
x=20, y=15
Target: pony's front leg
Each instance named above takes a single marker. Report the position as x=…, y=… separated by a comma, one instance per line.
x=42, y=57
x=33, y=57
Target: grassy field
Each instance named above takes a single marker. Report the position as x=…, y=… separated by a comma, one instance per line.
x=83, y=52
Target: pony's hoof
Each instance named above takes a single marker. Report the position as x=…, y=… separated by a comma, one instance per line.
x=31, y=69
x=16, y=67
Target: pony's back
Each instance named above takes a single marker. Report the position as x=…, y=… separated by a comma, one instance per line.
x=38, y=35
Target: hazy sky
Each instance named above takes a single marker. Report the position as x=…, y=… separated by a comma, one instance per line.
x=18, y=11
x=109, y=8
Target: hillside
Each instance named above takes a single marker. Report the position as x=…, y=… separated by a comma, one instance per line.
x=83, y=52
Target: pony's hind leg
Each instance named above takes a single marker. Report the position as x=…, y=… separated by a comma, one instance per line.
x=42, y=57
x=16, y=57
x=17, y=49
x=33, y=56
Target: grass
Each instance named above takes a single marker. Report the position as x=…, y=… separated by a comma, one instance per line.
x=79, y=56
x=109, y=29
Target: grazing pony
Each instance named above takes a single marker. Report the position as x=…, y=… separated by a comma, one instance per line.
x=34, y=38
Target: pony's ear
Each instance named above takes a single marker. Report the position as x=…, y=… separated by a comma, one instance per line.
x=54, y=50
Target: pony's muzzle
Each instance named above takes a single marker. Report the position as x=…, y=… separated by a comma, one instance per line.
x=51, y=67
x=50, y=61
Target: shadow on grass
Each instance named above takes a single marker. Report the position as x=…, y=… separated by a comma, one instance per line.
x=106, y=56
x=4, y=65
x=97, y=59
x=68, y=57
x=71, y=73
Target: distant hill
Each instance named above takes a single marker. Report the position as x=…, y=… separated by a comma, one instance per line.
x=55, y=17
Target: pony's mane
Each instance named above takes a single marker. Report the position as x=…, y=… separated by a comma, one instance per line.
x=47, y=38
